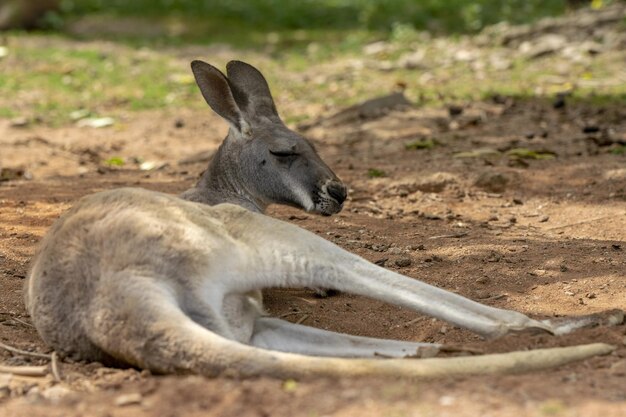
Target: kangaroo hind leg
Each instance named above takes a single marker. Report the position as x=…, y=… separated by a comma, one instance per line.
x=137, y=320
x=276, y=334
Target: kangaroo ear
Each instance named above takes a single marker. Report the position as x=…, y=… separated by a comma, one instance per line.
x=217, y=92
x=250, y=90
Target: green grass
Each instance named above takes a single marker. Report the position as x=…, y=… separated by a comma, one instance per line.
x=438, y=15
x=127, y=56
x=62, y=78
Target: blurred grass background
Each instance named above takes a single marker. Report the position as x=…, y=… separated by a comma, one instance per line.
x=448, y=16
x=106, y=56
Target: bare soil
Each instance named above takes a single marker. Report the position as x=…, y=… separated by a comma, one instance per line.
x=545, y=237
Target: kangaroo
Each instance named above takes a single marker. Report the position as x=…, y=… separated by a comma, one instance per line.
x=169, y=284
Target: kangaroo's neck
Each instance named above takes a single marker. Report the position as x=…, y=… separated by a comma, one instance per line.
x=223, y=182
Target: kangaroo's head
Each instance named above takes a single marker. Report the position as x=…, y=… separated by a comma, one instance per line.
x=261, y=159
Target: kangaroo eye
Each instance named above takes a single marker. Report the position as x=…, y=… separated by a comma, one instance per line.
x=283, y=154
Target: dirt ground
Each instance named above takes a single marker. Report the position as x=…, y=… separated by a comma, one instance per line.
x=542, y=236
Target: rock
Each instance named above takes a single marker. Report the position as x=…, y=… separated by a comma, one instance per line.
x=381, y=261
x=20, y=122
x=590, y=129
x=79, y=114
x=436, y=182
x=617, y=174
x=128, y=399
x=96, y=122
x=482, y=280
x=376, y=48
x=455, y=110
x=56, y=393
x=618, y=368
x=494, y=182
x=542, y=46
x=8, y=174
x=478, y=153
x=403, y=262
x=412, y=60
x=369, y=109
x=559, y=101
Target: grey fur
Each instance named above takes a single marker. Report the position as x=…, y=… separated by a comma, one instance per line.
x=261, y=161
x=135, y=277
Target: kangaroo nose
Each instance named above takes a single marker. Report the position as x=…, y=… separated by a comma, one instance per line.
x=337, y=191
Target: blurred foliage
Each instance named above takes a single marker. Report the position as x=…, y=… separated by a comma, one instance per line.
x=451, y=16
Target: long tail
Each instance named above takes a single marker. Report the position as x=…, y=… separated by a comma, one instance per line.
x=190, y=348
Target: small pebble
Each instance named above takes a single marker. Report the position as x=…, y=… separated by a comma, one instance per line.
x=128, y=399
x=482, y=280
x=455, y=110
x=403, y=262
x=618, y=368
x=381, y=262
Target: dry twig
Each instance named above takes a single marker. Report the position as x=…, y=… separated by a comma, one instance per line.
x=302, y=319
x=25, y=352
x=54, y=366
x=25, y=370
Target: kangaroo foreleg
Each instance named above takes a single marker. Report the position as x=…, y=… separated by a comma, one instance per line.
x=297, y=258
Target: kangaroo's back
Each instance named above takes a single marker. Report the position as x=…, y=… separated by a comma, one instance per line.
x=109, y=232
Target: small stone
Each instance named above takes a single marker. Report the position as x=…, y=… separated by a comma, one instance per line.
x=518, y=201
x=591, y=295
x=56, y=393
x=403, y=262
x=20, y=122
x=381, y=262
x=455, y=110
x=482, y=280
x=494, y=182
x=544, y=219
x=618, y=368
x=493, y=257
x=128, y=399
x=591, y=129
x=559, y=102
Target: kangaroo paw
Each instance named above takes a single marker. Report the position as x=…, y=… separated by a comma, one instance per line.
x=564, y=325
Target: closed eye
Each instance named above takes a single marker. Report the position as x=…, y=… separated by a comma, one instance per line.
x=283, y=154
